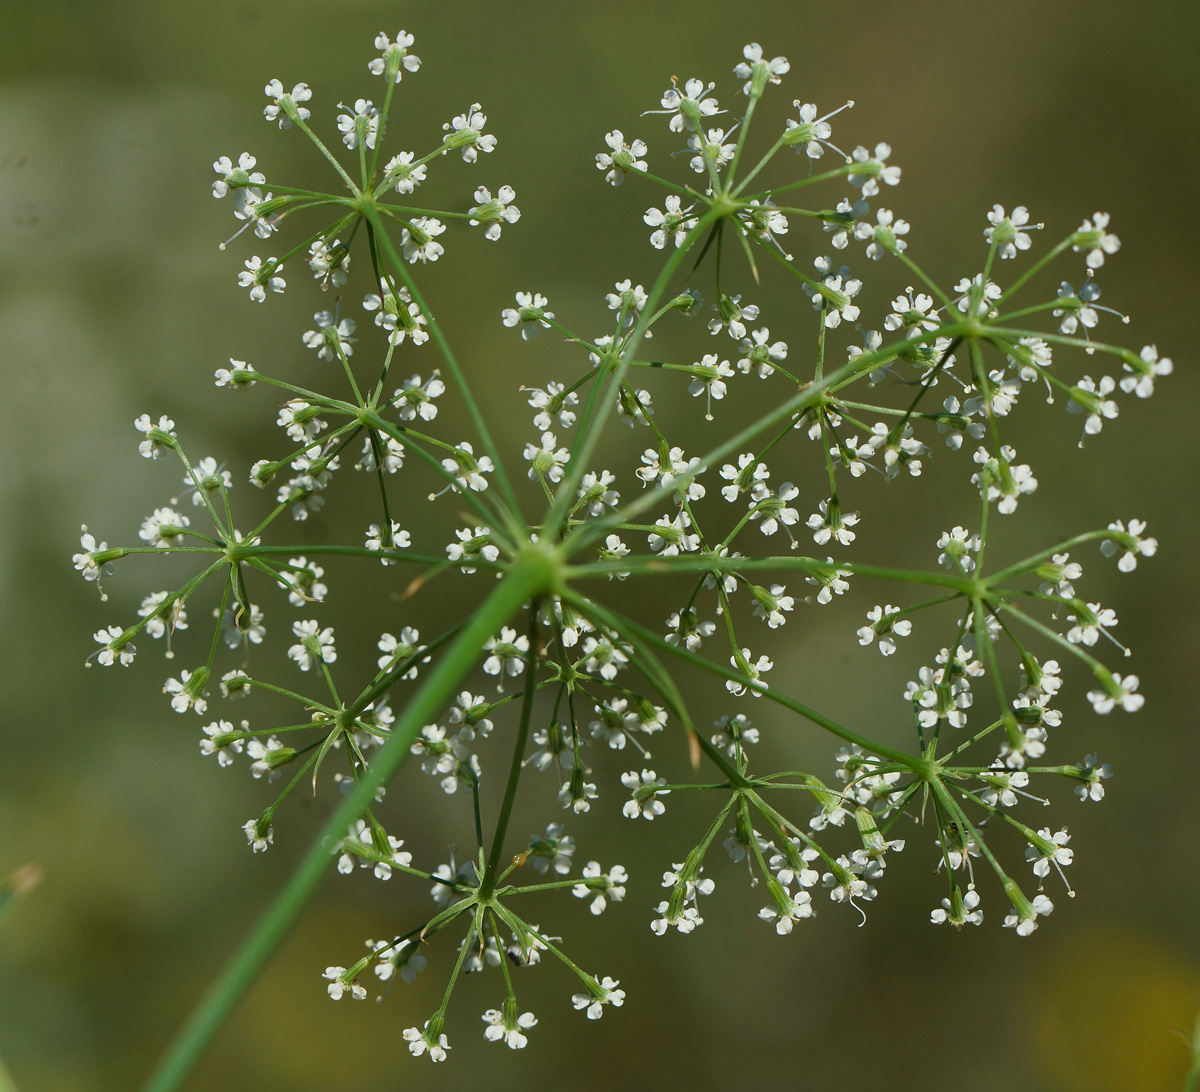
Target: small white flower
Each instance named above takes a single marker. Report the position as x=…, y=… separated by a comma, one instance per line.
x=755, y=71
x=645, y=800
x=395, y=59
x=621, y=157
x=315, y=644
x=283, y=106
x=495, y=213
x=419, y=240
x=1130, y=543
x=530, y=313
x=601, y=993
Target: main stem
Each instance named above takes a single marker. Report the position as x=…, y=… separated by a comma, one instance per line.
x=534, y=574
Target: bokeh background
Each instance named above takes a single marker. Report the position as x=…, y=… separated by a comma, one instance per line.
x=114, y=301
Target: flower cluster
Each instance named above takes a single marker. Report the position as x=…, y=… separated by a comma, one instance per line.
x=569, y=668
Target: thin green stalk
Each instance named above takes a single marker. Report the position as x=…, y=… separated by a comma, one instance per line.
x=460, y=380
x=595, y=426
x=533, y=575
x=487, y=886
x=799, y=402
x=653, y=639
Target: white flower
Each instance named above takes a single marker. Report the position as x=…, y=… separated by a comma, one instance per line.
x=1089, y=397
x=708, y=378
x=577, y=794
x=885, y=623
x=402, y=174
x=237, y=177
x=419, y=240
x=1002, y=479
x=712, y=150
x=830, y=522
x=601, y=886
x=835, y=293
x=268, y=755
x=689, y=106
x=258, y=276
x=758, y=351
x=870, y=168
x=240, y=377
x=552, y=402
x=1094, y=237
x=758, y=73
x=1122, y=693
x=645, y=800
x=1092, y=773
x=222, y=741
x=152, y=446
x=671, y=222
x=1024, y=918
x=113, y=648
x=884, y=235
x=398, y=313
x=258, y=839
x=621, y=157
x=421, y=1042
x=466, y=132
x=530, y=312
x=969, y=914
x=1050, y=850
x=914, y=313
x=811, y=133
x=473, y=543
x=788, y=909
x=395, y=59
x=362, y=123
x=547, y=461
x=774, y=510
x=1130, y=543
x=338, y=984
x=733, y=733
x=600, y=993
x=415, y=399
x=751, y=670
x=468, y=471
x=1144, y=370
x=507, y=653
x=1090, y=620
x=956, y=546
x=394, y=539
x=284, y=107
x=85, y=562
x=502, y=1028
x=494, y=213
x=315, y=644
x=1006, y=232
x=187, y=692
x=773, y=605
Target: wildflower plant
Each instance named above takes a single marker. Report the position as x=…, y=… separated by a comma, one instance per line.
x=551, y=683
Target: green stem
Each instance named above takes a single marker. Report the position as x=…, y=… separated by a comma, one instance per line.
x=488, y=884
x=460, y=380
x=532, y=575
x=627, y=626
x=591, y=430
x=800, y=402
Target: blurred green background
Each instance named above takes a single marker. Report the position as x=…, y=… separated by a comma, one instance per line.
x=114, y=301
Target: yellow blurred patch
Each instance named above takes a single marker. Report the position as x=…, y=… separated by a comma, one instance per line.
x=1108, y=999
